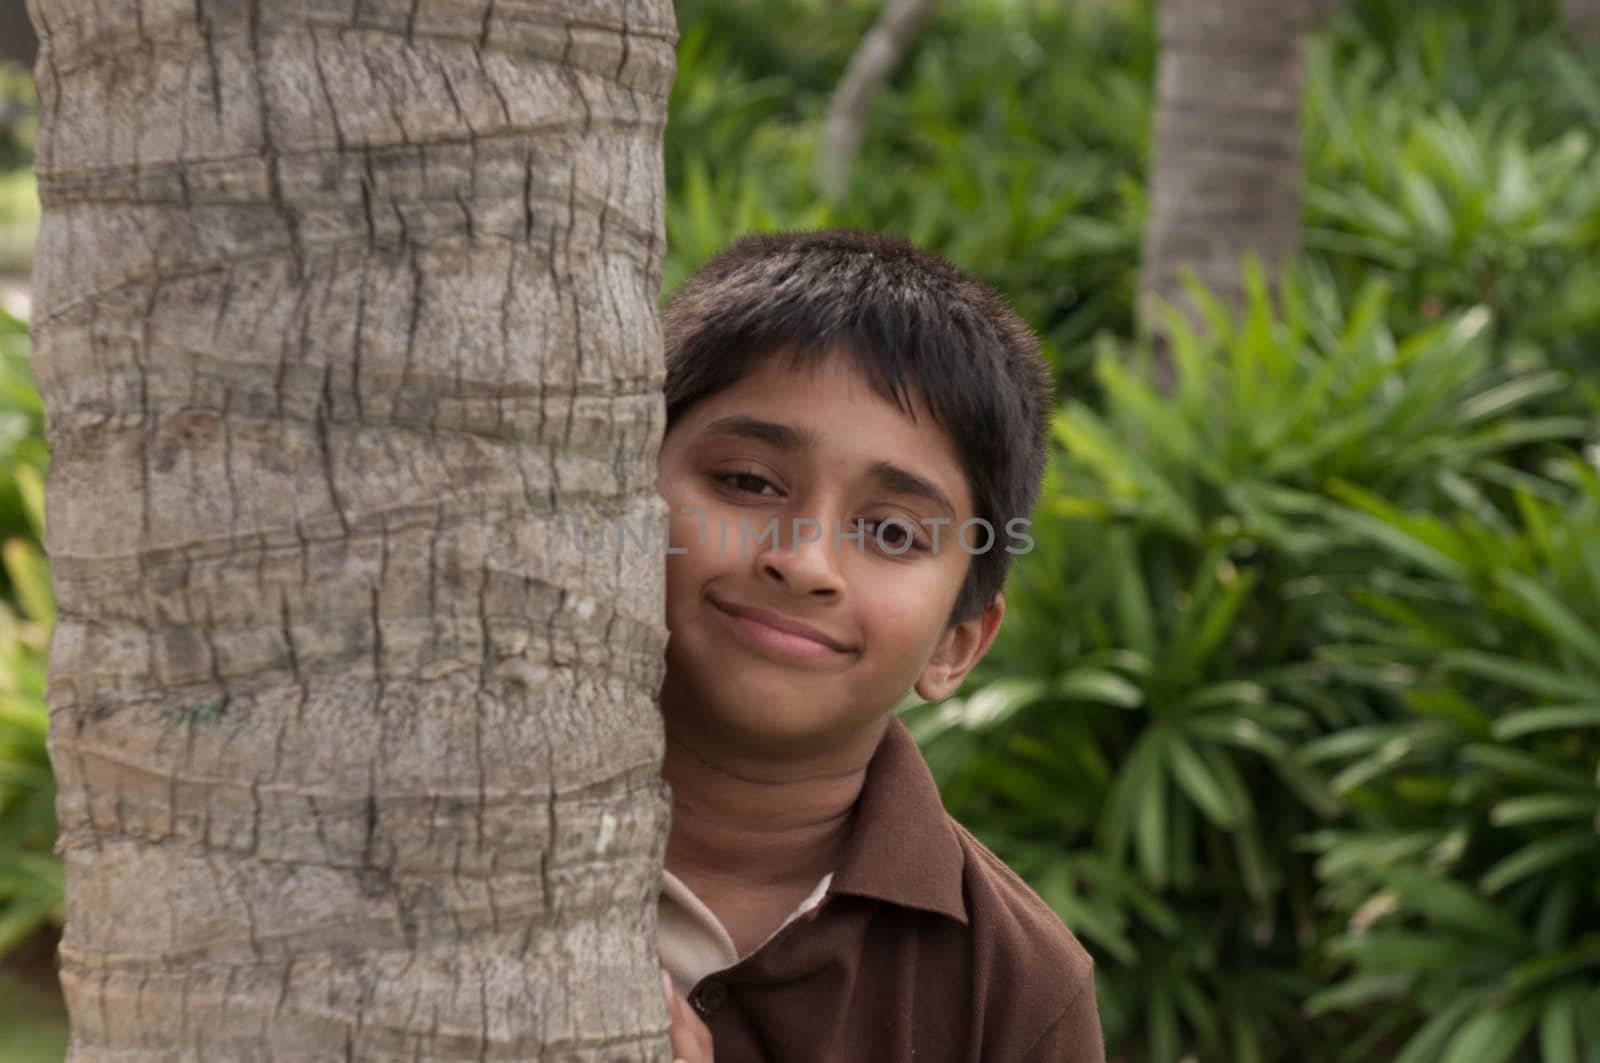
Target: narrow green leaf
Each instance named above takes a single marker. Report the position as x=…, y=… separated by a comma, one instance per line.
x=1197, y=781
x=1540, y=808
x=1420, y=539
x=1162, y=1022
x=1239, y=731
x=1547, y=718
x=30, y=485
x=1150, y=819
x=1135, y=619
x=1137, y=793
x=995, y=702
x=1362, y=989
x=1551, y=614
x=30, y=575
x=1055, y=888
x=1427, y=1043
x=1536, y=857
x=1542, y=970
x=1218, y=319
x=1228, y=693
x=1491, y=1036
x=1139, y=403
x=1535, y=679
x=26, y=716
x=1524, y=767
x=1085, y=436
x=1106, y=688
x=1558, y=1028
x=1447, y=903
x=1513, y=393
x=1193, y=363
x=1354, y=741
x=1195, y=652
x=1399, y=950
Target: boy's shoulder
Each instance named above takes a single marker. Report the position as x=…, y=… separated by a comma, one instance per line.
x=1023, y=954
x=1002, y=907
x=1015, y=932
x=908, y=848
x=1027, y=980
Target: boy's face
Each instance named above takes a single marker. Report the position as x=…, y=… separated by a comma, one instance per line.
x=812, y=450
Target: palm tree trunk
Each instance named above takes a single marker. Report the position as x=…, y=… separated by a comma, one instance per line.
x=1225, y=178
x=340, y=311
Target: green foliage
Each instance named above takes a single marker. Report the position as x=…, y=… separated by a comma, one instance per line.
x=1478, y=926
x=1146, y=741
x=1443, y=51
x=1452, y=153
x=19, y=220
x=23, y=454
x=19, y=205
x=30, y=876
x=1456, y=207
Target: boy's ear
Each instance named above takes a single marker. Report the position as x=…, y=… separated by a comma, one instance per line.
x=962, y=647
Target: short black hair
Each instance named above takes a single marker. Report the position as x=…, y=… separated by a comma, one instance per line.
x=910, y=321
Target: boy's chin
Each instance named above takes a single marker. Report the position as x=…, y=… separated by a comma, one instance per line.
x=768, y=723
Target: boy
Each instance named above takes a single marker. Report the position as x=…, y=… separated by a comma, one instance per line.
x=846, y=417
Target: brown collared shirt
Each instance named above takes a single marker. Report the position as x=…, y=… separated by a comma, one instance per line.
x=921, y=946
x=691, y=939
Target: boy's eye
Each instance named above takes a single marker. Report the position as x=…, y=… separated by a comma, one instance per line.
x=896, y=534
x=746, y=481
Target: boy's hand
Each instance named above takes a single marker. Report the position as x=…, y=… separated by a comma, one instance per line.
x=691, y=1041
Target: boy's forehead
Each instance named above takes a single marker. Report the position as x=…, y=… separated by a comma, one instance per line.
x=809, y=388
x=808, y=396
x=801, y=408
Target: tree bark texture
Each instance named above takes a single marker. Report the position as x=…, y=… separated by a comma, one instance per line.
x=874, y=60
x=342, y=310
x=1225, y=172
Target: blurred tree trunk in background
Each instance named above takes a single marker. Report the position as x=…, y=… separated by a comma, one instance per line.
x=1583, y=20
x=1225, y=170
x=339, y=316
x=880, y=51
x=17, y=40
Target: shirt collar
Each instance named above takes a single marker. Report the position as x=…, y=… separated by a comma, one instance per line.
x=902, y=848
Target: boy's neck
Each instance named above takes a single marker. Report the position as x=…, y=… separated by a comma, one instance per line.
x=741, y=821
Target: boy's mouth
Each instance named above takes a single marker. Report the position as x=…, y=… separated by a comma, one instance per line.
x=780, y=632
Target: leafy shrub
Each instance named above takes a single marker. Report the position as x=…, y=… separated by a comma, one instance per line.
x=1456, y=207
x=1134, y=740
x=1470, y=878
x=1436, y=52
x=1034, y=180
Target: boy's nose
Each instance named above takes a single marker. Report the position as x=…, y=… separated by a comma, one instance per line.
x=804, y=561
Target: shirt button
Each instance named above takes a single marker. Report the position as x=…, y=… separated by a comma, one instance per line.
x=709, y=997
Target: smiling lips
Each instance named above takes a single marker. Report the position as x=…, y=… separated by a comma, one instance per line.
x=778, y=632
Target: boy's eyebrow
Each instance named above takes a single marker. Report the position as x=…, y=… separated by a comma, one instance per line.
x=890, y=476
x=743, y=426
x=905, y=482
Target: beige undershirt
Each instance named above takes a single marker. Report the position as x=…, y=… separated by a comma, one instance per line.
x=692, y=940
